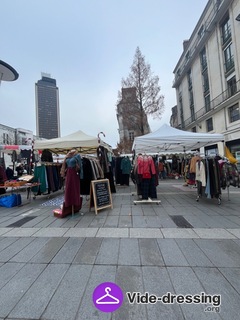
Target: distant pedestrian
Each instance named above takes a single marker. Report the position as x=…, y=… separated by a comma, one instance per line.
x=9, y=173
x=20, y=170
x=162, y=170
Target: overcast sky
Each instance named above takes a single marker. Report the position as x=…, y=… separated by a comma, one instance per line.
x=88, y=46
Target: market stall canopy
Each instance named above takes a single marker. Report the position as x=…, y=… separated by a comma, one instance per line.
x=172, y=140
x=78, y=140
x=7, y=148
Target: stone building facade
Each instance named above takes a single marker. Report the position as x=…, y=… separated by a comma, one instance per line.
x=207, y=76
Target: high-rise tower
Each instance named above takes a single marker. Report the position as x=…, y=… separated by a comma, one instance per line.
x=47, y=107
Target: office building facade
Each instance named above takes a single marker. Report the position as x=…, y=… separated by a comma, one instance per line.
x=207, y=76
x=47, y=108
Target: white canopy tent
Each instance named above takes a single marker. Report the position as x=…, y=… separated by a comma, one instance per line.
x=78, y=140
x=172, y=140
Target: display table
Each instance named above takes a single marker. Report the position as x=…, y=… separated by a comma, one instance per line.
x=16, y=186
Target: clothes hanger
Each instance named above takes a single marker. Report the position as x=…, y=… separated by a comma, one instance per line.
x=115, y=300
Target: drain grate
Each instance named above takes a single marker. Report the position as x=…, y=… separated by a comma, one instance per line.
x=21, y=222
x=181, y=222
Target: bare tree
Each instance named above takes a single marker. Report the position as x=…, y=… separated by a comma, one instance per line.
x=150, y=101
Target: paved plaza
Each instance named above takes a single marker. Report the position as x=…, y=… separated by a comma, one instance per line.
x=49, y=267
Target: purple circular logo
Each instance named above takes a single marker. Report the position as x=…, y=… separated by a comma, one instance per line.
x=107, y=297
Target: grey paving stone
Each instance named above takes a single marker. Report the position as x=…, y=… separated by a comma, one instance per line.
x=235, y=232
x=88, y=252
x=21, y=232
x=18, y=285
x=129, y=252
x=3, y=231
x=149, y=210
x=4, y=218
x=215, y=283
x=166, y=221
x=137, y=211
x=10, y=251
x=196, y=222
x=139, y=221
x=35, y=221
x=125, y=211
x=68, y=251
x=108, y=252
x=156, y=281
x=66, y=300
x=72, y=222
x=145, y=233
x=193, y=253
x=214, y=233
x=233, y=276
x=185, y=282
x=236, y=220
x=81, y=232
x=50, y=232
x=7, y=271
x=115, y=211
x=34, y=302
x=113, y=232
x=48, y=252
x=98, y=221
x=222, y=253
x=46, y=222
x=11, y=220
x=150, y=254
x=130, y=279
x=111, y=221
x=209, y=221
x=5, y=242
x=87, y=309
x=154, y=222
x=125, y=221
x=179, y=233
x=223, y=222
x=171, y=253
x=30, y=250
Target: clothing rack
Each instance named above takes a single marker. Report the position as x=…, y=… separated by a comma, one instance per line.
x=210, y=178
x=145, y=171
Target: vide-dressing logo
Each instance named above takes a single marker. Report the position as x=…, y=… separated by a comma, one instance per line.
x=107, y=297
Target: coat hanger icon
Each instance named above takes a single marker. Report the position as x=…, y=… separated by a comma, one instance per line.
x=113, y=301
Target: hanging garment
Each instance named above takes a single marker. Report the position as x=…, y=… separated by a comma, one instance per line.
x=72, y=182
x=40, y=176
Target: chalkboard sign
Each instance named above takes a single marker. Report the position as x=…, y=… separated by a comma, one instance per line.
x=100, y=195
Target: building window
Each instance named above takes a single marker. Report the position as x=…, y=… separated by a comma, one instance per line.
x=6, y=138
x=181, y=109
x=192, y=113
x=203, y=59
x=131, y=135
x=228, y=57
x=209, y=124
x=205, y=81
x=207, y=102
x=187, y=57
x=194, y=129
x=189, y=77
x=201, y=32
x=232, y=86
x=226, y=31
x=234, y=113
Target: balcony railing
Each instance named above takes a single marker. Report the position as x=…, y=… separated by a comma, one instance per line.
x=216, y=102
